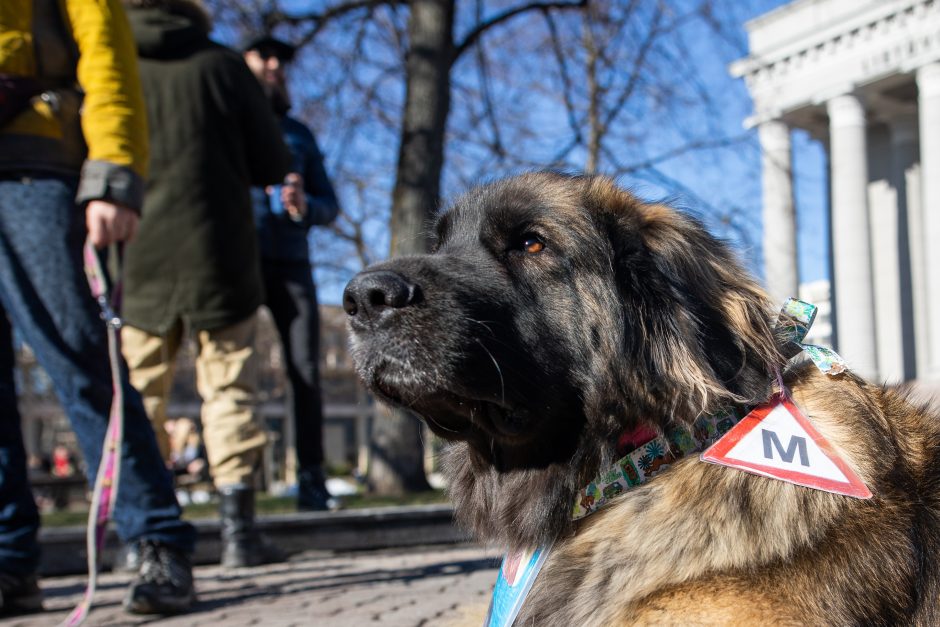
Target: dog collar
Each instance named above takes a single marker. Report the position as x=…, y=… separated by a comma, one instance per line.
x=518, y=571
x=644, y=462
x=635, y=438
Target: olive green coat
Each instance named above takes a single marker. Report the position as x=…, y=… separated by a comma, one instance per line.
x=212, y=136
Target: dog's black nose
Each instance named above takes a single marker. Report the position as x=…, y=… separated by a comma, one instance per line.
x=372, y=293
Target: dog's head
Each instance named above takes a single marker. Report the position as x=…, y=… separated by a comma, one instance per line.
x=555, y=313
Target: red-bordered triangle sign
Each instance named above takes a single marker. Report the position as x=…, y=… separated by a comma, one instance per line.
x=776, y=440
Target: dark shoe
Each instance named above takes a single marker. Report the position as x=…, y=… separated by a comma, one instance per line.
x=164, y=584
x=19, y=594
x=242, y=545
x=312, y=495
x=127, y=558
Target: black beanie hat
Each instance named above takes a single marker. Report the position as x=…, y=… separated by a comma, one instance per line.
x=281, y=48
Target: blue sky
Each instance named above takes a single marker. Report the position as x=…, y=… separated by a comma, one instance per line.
x=812, y=207
x=731, y=177
x=727, y=179
x=810, y=181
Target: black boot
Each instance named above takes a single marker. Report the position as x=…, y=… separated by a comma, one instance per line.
x=312, y=495
x=164, y=584
x=242, y=545
x=19, y=594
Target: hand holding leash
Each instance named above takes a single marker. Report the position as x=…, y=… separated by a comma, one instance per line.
x=109, y=223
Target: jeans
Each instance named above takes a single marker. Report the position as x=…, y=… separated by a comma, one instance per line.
x=44, y=293
x=292, y=299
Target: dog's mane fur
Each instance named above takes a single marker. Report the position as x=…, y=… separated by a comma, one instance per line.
x=632, y=315
x=694, y=333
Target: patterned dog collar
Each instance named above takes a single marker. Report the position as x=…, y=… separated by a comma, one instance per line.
x=640, y=465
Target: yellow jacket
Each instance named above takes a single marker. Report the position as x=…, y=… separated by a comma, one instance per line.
x=67, y=44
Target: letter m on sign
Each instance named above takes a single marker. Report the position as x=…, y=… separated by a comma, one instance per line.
x=767, y=441
x=796, y=444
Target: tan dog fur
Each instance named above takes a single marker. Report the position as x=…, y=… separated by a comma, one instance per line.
x=630, y=313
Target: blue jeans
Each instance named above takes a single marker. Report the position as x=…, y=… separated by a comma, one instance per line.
x=44, y=293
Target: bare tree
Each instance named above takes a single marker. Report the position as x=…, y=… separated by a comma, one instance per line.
x=430, y=52
x=620, y=88
x=472, y=90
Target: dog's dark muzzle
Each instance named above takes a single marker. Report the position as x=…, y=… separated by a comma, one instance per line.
x=373, y=296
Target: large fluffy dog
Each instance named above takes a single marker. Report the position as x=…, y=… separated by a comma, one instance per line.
x=558, y=313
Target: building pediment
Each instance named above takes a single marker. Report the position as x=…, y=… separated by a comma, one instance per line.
x=809, y=51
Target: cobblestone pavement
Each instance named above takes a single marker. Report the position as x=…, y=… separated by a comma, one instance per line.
x=422, y=586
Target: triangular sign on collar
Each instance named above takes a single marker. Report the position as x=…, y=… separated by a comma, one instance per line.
x=776, y=440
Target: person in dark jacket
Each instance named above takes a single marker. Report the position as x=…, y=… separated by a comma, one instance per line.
x=283, y=215
x=194, y=266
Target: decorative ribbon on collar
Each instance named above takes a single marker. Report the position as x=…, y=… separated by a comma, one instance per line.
x=793, y=323
x=105, y=492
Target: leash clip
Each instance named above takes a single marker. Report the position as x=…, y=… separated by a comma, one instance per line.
x=110, y=317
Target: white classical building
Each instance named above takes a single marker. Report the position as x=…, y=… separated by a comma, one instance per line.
x=863, y=78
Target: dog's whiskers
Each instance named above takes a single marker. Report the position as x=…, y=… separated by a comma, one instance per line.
x=499, y=371
x=415, y=400
x=522, y=375
x=430, y=418
x=493, y=337
x=484, y=324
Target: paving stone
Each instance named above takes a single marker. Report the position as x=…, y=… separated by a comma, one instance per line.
x=445, y=585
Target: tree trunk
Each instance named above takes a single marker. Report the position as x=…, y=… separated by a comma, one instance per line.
x=397, y=461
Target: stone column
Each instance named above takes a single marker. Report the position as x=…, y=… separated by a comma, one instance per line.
x=885, y=253
x=928, y=85
x=780, y=260
x=907, y=187
x=851, y=235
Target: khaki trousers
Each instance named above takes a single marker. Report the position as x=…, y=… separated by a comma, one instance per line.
x=226, y=377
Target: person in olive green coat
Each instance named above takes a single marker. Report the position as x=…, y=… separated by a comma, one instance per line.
x=194, y=265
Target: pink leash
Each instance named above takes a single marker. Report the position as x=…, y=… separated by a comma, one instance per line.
x=105, y=492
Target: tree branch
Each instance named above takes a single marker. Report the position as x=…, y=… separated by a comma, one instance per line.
x=705, y=144
x=319, y=19
x=489, y=109
x=505, y=16
x=636, y=71
x=294, y=19
x=566, y=89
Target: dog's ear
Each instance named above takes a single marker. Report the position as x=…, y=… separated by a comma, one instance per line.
x=697, y=327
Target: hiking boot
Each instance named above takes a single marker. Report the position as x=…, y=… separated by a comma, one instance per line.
x=19, y=594
x=164, y=584
x=242, y=545
x=312, y=494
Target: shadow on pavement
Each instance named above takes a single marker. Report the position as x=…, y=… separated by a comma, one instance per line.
x=298, y=581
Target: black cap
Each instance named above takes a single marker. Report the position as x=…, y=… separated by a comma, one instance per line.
x=280, y=48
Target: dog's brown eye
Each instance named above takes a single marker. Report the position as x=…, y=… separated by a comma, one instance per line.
x=532, y=244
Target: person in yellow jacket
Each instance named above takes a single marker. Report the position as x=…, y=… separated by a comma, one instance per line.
x=73, y=154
